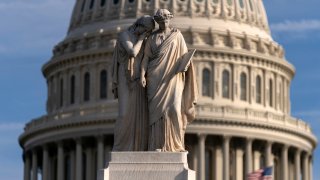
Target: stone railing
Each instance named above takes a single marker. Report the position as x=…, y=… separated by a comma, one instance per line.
x=252, y=116
x=74, y=114
x=207, y=112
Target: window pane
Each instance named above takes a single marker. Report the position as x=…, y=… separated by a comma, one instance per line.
x=102, y=3
x=206, y=82
x=226, y=84
x=83, y=5
x=258, y=89
x=61, y=92
x=103, y=84
x=241, y=3
x=72, y=89
x=243, y=87
x=86, y=87
x=91, y=4
x=270, y=93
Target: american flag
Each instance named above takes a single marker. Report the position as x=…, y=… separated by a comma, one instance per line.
x=261, y=174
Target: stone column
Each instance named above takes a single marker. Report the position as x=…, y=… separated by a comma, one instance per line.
x=202, y=153
x=139, y=8
x=248, y=156
x=45, y=161
x=218, y=163
x=60, y=172
x=34, y=165
x=226, y=157
x=78, y=160
x=297, y=165
x=310, y=169
x=27, y=166
x=100, y=153
x=122, y=13
x=239, y=164
x=89, y=165
x=256, y=164
x=72, y=165
x=268, y=154
x=305, y=169
x=284, y=162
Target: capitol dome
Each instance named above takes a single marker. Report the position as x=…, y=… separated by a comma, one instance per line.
x=243, y=121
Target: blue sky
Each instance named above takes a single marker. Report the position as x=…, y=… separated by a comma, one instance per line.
x=31, y=28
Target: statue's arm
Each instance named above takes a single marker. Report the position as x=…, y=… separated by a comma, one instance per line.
x=131, y=48
x=144, y=63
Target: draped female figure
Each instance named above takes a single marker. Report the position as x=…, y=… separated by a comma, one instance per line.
x=131, y=130
x=171, y=93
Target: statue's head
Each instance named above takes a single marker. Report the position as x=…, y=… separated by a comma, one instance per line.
x=144, y=24
x=162, y=15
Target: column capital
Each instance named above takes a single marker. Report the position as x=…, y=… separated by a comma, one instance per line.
x=99, y=136
x=269, y=143
x=285, y=147
x=298, y=151
x=202, y=135
x=78, y=140
x=226, y=137
x=249, y=139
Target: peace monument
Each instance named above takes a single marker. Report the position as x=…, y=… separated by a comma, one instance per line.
x=242, y=117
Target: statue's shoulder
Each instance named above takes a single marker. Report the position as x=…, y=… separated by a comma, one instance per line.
x=123, y=35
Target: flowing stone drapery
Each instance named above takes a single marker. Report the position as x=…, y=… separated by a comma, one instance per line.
x=131, y=127
x=171, y=94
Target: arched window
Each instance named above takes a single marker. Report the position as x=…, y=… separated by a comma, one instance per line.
x=229, y=2
x=281, y=96
x=61, y=92
x=251, y=5
x=226, y=84
x=243, y=87
x=206, y=82
x=241, y=3
x=103, y=84
x=258, y=90
x=115, y=1
x=86, y=88
x=131, y=1
x=83, y=5
x=102, y=3
x=270, y=93
x=91, y=4
x=72, y=89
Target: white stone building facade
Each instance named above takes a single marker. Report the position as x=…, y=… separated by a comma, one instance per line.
x=243, y=118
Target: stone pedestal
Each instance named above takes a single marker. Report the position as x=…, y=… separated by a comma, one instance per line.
x=146, y=166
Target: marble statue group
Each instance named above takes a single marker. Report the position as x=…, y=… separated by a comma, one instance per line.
x=154, y=81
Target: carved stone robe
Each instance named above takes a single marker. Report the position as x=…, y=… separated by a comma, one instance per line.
x=171, y=95
x=131, y=126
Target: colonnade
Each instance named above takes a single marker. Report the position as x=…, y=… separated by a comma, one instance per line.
x=212, y=157
x=73, y=159
x=234, y=157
